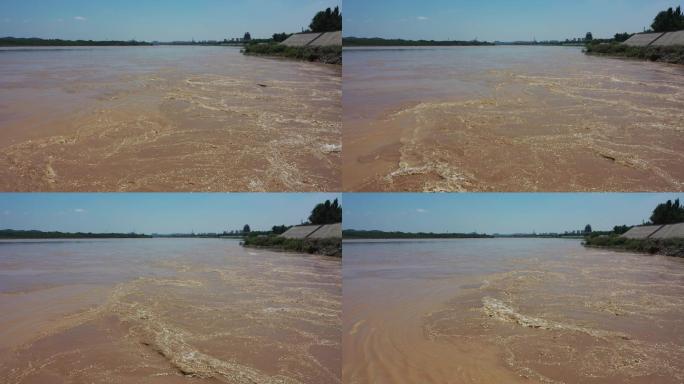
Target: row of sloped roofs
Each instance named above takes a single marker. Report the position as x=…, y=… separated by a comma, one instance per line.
x=314, y=232
x=656, y=39
x=671, y=231
x=314, y=39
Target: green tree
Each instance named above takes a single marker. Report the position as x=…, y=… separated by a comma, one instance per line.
x=246, y=229
x=327, y=21
x=620, y=229
x=668, y=21
x=622, y=37
x=668, y=213
x=279, y=229
x=326, y=213
x=280, y=37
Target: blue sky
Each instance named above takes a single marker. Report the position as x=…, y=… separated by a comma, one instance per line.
x=154, y=213
x=480, y=212
x=497, y=213
x=162, y=20
x=504, y=20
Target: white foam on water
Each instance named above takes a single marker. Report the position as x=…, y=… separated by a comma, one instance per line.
x=499, y=310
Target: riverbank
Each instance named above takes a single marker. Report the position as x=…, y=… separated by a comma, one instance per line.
x=663, y=54
x=325, y=55
x=665, y=247
x=324, y=247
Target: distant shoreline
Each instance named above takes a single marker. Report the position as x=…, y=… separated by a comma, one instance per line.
x=21, y=42
x=464, y=238
x=38, y=42
x=351, y=234
x=380, y=42
x=399, y=47
x=39, y=235
x=351, y=42
x=11, y=234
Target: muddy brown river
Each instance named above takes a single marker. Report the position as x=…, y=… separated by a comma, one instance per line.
x=510, y=119
x=167, y=119
x=510, y=311
x=167, y=311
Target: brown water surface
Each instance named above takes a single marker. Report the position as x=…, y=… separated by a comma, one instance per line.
x=166, y=119
x=167, y=311
x=510, y=119
x=510, y=311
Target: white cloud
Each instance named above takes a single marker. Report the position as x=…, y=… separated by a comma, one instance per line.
x=79, y=210
x=80, y=18
x=422, y=18
x=421, y=210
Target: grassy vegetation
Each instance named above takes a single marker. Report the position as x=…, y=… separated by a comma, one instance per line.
x=326, y=247
x=668, y=54
x=667, y=247
x=328, y=55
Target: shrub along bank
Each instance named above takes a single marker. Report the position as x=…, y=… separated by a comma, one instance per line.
x=327, y=55
x=326, y=247
x=667, y=247
x=666, y=54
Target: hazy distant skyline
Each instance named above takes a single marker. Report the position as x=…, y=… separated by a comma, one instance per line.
x=503, y=213
x=498, y=20
x=156, y=20
x=155, y=213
